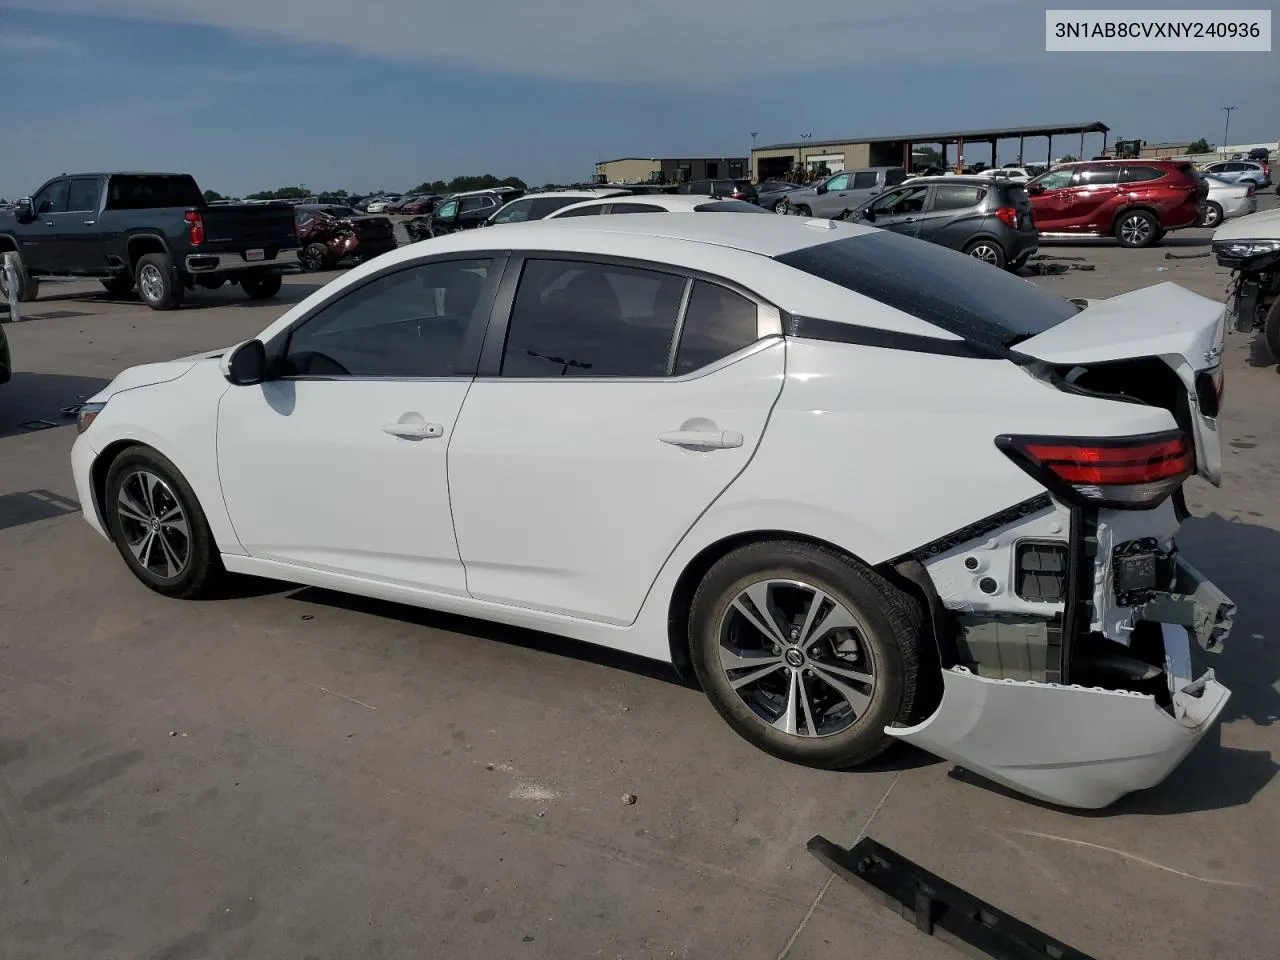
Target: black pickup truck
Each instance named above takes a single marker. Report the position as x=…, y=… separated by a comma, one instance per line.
x=152, y=231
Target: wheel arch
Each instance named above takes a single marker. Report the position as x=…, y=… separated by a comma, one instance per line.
x=141, y=244
x=9, y=243
x=680, y=602
x=1132, y=207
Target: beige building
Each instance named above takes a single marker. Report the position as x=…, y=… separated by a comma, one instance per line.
x=628, y=170
x=671, y=169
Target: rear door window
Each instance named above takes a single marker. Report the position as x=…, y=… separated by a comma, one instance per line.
x=865, y=180
x=635, y=208
x=83, y=196
x=592, y=211
x=717, y=322
x=894, y=177
x=1100, y=175
x=990, y=308
x=1141, y=174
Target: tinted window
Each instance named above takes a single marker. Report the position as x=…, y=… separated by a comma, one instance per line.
x=410, y=323
x=53, y=198
x=908, y=200
x=894, y=177
x=717, y=323
x=865, y=180
x=447, y=210
x=700, y=187
x=514, y=212
x=592, y=211
x=1093, y=176
x=1141, y=174
x=956, y=197
x=959, y=294
x=541, y=206
x=729, y=206
x=129, y=192
x=578, y=319
x=635, y=208
x=83, y=195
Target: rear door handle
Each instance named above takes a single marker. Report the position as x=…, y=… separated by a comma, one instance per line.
x=414, y=431
x=88, y=223
x=708, y=439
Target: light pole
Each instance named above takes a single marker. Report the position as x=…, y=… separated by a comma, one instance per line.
x=751, y=160
x=1225, y=128
x=805, y=138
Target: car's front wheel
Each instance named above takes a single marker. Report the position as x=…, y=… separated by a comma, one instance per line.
x=1212, y=214
x=806, y=653
x=158, y=527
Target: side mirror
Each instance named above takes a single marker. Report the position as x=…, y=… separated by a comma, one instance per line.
x=245, y=364
x=23, y=209
x=1035, y=188
x=820, y=188
x=869, y=213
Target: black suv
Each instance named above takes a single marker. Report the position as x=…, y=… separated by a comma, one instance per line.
x=462, y=211
x=722, y=189
x=985, y=217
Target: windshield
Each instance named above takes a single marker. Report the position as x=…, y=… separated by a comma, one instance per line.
x=954, y=292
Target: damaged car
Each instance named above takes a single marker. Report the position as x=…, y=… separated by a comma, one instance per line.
x=328, y=235
x=865, y=489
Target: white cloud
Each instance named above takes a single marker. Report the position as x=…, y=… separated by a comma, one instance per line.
x=15, y=44
x=665, y=40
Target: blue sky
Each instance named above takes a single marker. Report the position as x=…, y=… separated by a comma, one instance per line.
x=252, y=94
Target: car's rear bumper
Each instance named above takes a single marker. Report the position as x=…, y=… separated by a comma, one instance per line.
x=203, y=264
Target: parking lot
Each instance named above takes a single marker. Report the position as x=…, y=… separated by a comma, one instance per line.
x=294, y=773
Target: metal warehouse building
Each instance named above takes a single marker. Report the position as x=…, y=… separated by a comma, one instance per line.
x=671, y=169
x=776, y=160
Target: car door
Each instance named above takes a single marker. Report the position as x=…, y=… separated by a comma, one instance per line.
x=616, y=403
x=42, y=248
x=79, y=230
x=1094, y=192
x=832, y=198
x=900, y=210
x=1051, y=199
x=338, y=462
x=952, y=215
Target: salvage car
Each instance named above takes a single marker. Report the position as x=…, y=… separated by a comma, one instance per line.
x=1250, y=248
x=1226, y=201
x=866, y=489
x=329, y=234
x=840, y=192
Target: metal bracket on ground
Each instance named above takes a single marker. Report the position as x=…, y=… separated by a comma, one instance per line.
x=938, y=908
x=11, y=285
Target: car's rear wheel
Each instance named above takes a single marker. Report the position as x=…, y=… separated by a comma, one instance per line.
x=1137, y=228
x=1212, y=214
x=988, y=251
x=158, y=527
x=806, y=653
x=158, y=283
x=262, y=287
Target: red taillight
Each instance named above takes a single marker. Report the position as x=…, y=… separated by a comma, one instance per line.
x=195, y=223
x=1008, y=216
x=1133, y=473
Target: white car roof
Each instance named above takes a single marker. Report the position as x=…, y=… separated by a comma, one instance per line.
x=585, y=194
x=670, y=202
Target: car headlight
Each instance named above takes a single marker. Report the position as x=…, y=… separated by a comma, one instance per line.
x=86, y=415
x=1246, y=248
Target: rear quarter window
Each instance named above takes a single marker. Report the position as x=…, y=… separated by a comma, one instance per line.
x=1142, y=174
x=956, y=293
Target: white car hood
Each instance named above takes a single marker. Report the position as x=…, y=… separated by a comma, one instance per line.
x=149, y=374
x=1256, y=226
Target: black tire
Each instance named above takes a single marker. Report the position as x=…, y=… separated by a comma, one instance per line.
x=158, y=282
x=28, y=286
x=1013, y=266
x=1271, y=331
x=801, y=210
x=1136, y=229
x=262, y=287
x=118, y=286
x=201, y=572
x=1212, y=214
x=988, y=251
x=315, y=257
x=891, y=638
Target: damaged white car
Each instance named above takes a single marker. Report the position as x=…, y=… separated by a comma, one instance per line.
x=867, y=489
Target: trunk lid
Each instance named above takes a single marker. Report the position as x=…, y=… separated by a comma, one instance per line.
x=1166, y=322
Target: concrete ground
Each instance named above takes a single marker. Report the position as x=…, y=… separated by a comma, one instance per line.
x=293, y=773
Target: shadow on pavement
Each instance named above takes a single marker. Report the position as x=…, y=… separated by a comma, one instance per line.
x=198, y=299
x=32, y=397
x=32, y=506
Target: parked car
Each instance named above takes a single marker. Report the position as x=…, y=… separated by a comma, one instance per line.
x=849, y=189
x=655, y=204
x=1227, y=200
x=420, y=205
x=999, y=584
x=535, y=206
x=380, y=205
x=330, y=234
x=154, y=231
x=461, y=211
x=770, y=192
x=1240, y=171
x=1250, y=247
x=1017, y=174
x=986, y=217
x=1135, y=201
x=721, y=189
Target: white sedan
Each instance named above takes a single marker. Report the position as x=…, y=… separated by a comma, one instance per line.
x=656, y=203
x=866, y=489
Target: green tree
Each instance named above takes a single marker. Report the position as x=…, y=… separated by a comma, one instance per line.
x=280, y=193
x=1068, y=158
x=211, y=196
x=1199, y=146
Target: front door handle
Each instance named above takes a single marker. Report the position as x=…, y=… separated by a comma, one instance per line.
x=706, y=439
x=49, y=223
x=88, y=223
x=414, y=431
x=909, y=220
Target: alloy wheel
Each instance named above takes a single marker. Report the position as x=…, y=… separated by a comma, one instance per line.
x=1135, y=230
x=797, y=657
x=150, y=282
x=154, y=524
x=986, y=253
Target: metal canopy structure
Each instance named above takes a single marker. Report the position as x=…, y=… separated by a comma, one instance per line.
x=961, y=137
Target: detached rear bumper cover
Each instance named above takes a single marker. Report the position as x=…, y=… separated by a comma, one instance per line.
x=1078, y=746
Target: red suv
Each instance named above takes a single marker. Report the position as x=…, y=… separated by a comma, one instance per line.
x=1135, y=201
